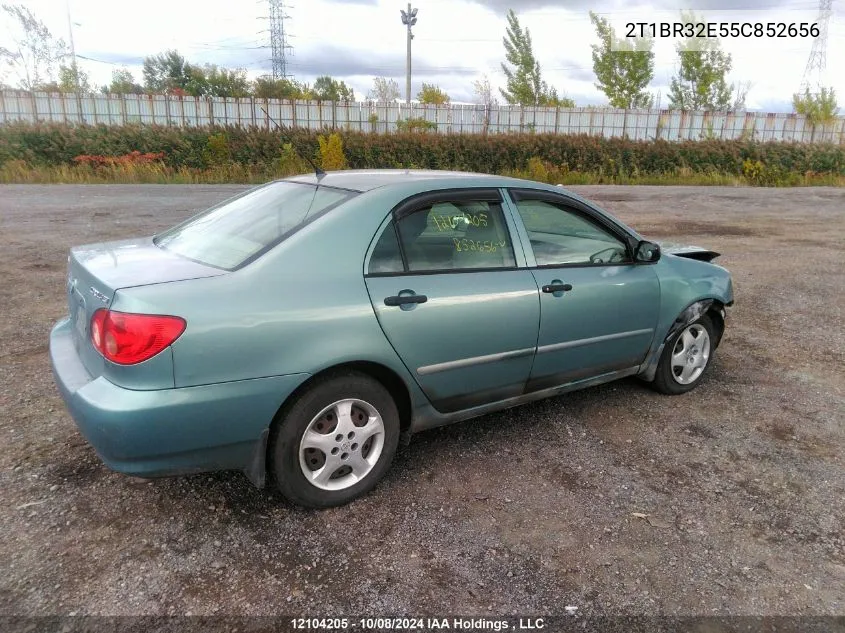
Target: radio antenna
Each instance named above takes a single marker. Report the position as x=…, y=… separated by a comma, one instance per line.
x=318, y=171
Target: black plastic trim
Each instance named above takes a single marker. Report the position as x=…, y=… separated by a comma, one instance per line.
x=444, y=271
x=550, y=381
x=420, y=200
x=460, y=402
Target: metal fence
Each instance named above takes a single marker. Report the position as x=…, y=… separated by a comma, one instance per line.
x=671, y=125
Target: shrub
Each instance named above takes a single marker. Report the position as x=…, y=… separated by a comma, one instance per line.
x=331, y=152
x=762, y=175
x=415, y=125
x=132, y=158
x=260, y=150
x=217, y=149
x=537, y=170
x=291, y=163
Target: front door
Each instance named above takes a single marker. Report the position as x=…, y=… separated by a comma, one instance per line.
x=598, y=308
x=444, y=285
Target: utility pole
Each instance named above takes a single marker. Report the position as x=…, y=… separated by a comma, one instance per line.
x=409, y=19
x=72, y=47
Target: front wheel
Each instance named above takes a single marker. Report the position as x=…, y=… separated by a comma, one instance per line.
x=335, y=441
x=686, y=358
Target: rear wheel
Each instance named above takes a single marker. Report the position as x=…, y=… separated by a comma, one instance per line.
x=686, y=358
x=335, y=441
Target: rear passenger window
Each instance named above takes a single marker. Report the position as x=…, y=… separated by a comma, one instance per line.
x=456, y=235
x=386, y=257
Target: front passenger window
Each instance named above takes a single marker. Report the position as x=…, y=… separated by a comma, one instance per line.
x=560, y=236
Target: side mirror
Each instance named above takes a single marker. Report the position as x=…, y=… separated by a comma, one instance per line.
x=647, y=252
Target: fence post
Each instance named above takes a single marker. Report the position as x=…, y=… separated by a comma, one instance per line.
x=94, y=107
x=50, y=106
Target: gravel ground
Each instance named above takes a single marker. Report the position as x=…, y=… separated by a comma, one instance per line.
x=738, y=487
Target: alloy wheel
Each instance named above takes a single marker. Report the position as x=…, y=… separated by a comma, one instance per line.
x=690, y=354
x=342, y=444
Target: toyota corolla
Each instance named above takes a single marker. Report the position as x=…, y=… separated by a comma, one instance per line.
x=297, y=331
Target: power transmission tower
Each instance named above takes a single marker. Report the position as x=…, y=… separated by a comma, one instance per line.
x=816, y=63
x=279, y=46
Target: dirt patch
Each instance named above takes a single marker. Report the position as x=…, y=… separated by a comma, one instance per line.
x=727, y=500
x=679, y=227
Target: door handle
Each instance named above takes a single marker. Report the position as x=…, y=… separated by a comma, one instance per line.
x=398, y=300
x=557, y=288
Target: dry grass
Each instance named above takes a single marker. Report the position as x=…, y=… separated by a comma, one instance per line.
x=17, y=171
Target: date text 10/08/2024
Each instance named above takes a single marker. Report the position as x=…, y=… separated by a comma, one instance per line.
x=712, y=30
x=418, y=624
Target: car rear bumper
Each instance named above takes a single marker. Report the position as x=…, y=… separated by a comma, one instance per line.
x=151, y=433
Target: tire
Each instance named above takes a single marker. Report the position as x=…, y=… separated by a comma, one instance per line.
x=334, y=442
x=689, y=351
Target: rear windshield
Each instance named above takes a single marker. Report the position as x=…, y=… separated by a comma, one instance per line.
x=239, y=230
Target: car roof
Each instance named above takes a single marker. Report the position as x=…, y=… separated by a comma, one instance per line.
x=369, y=179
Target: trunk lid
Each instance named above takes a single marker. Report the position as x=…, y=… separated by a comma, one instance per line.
x=97, y=271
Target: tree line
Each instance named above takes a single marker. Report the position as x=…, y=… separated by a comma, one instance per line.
x=623, y=70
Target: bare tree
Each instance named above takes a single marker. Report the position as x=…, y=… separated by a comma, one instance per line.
x=34, y=52
x=384, y=89
x=484, y=91
x=740, y=89
x=484, y=94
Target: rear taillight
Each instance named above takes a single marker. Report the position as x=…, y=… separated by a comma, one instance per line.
x=127, y=339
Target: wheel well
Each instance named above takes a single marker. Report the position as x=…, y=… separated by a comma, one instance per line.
x=384, y=375
x=715, y=314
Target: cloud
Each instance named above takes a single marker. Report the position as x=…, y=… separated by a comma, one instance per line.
x=572, y=70
x=349, y=62
x=117, y=59
x=501, y=7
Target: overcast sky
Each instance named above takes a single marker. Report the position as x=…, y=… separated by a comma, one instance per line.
x=456, y=41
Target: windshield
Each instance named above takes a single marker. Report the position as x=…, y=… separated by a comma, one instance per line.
x=239, y=230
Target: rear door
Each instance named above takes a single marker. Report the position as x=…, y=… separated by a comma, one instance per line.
x=598, y=309
x=444, y=284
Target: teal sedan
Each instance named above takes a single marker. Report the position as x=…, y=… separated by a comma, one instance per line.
x=298, y=331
